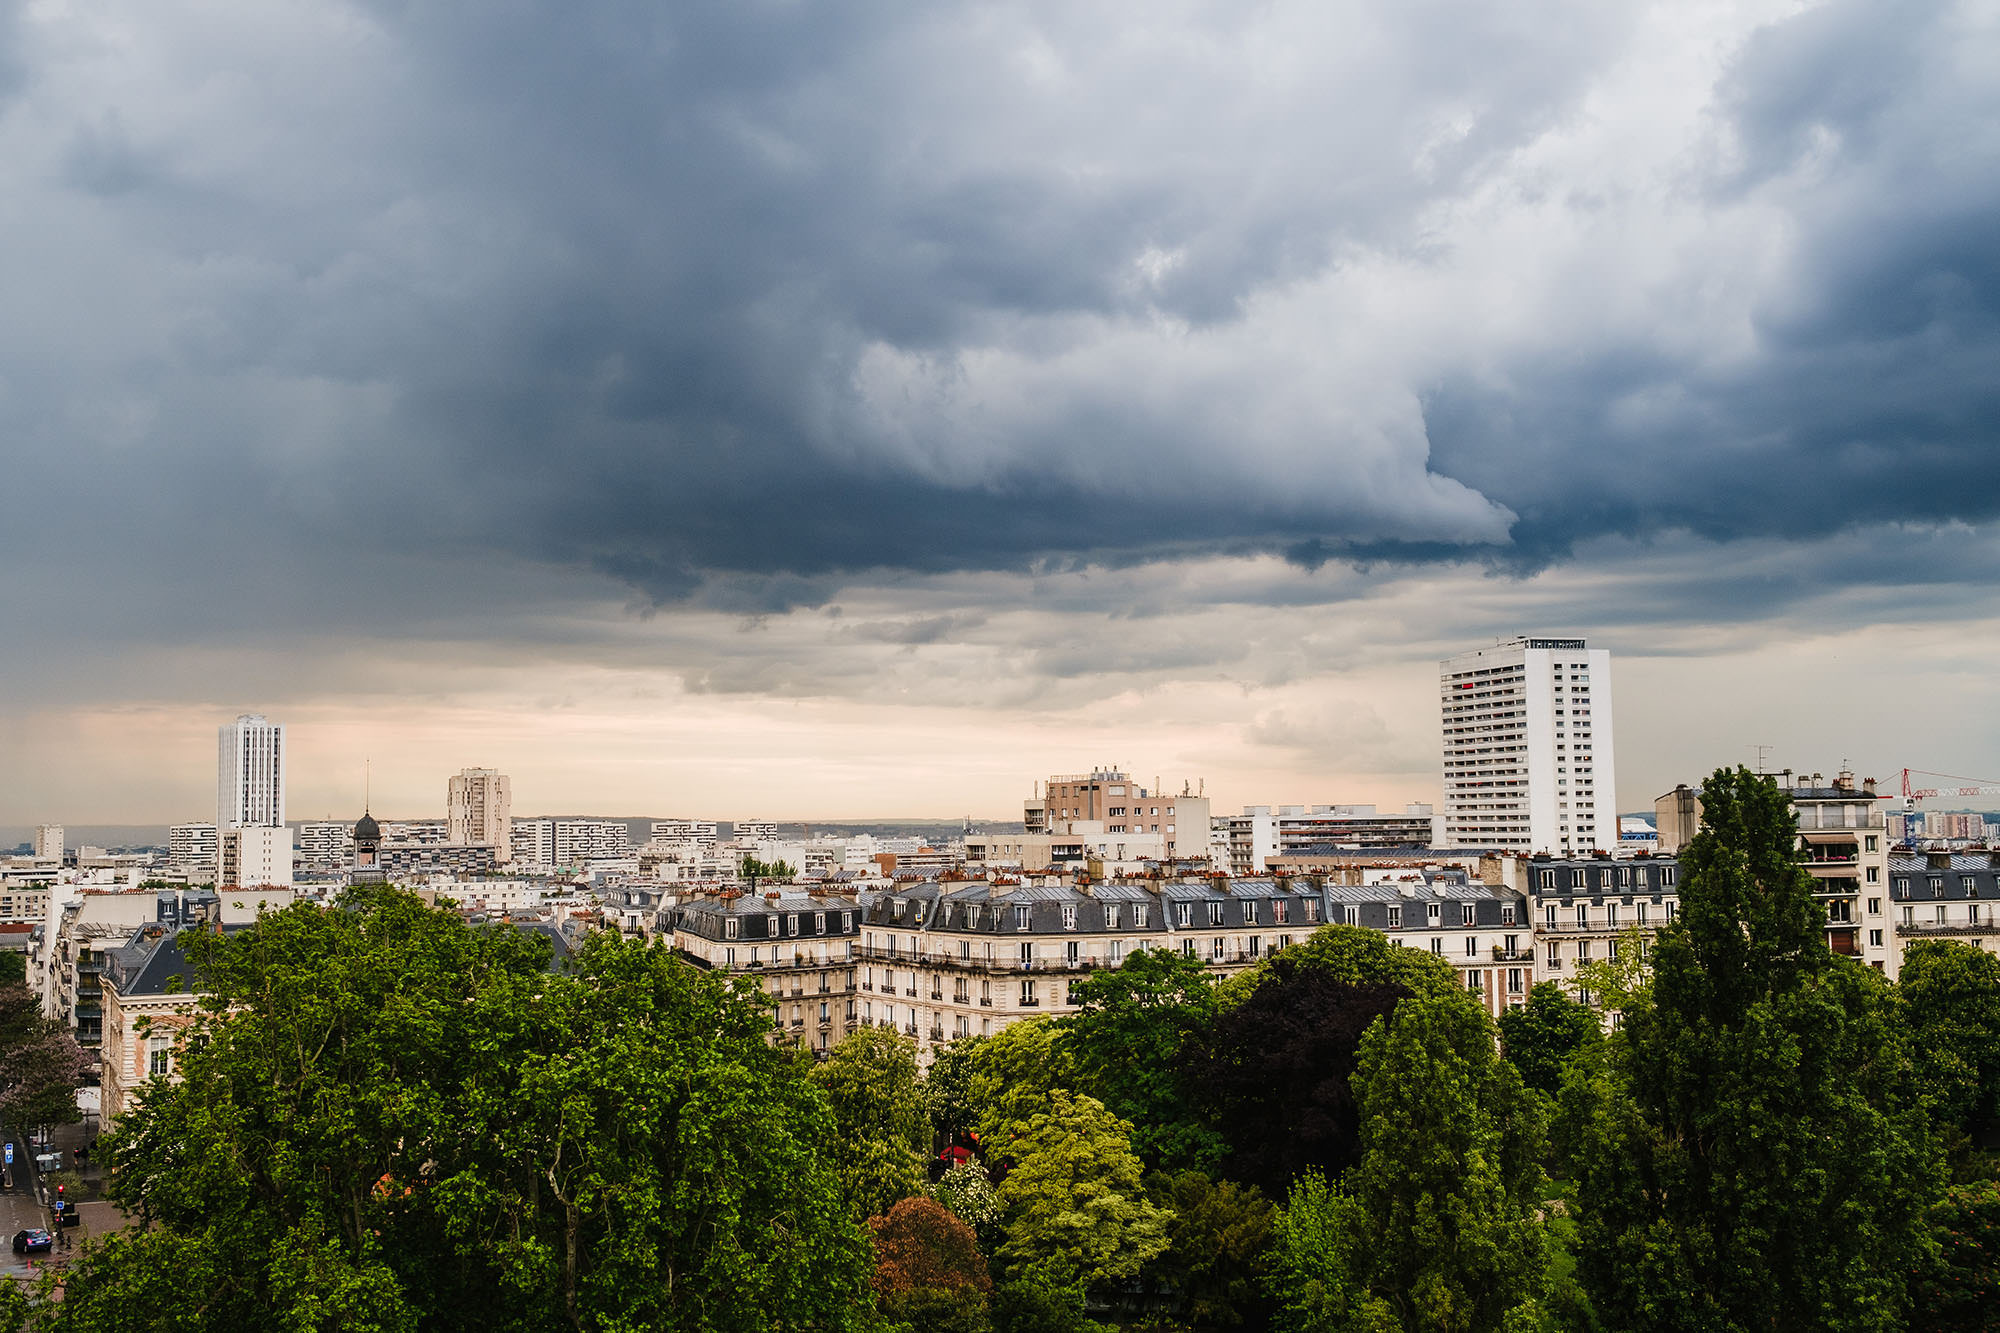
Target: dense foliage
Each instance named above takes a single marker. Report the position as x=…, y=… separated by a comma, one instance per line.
x=1760, y=1156
x=391, y=1120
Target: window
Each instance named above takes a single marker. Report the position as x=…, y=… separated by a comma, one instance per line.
x=1111, y=916
x=1555, y=956
x=1070, y=950
x=1395, y=917
x=731, y=928
x=1874, y=939
x=159, y=1057
x=1506, y=914
x=1437, y=945
x=1028, y=992
x=1871, y=842
x=1513, y=981
x=1215, y=948
x=1937, y=885
x=1215, y=914
x=1874, y=907
x=1611, y=915
x=1874, y=874
x=1668, y=875
x=1249, y=913
x=1433, y=914
x=1902, y=885
x=819, y=923
x=1546, y=879
x=1020, y=918
x=1256, y=946
x=1583, y=915
x=1279, y=910
x=1640, y=877
x=1472, y=946
x=1576, y=879
x=1670, y=910
x=1027, y=953
x=846, y=922
x=1184, y=914
x=1069, y=916
x=1142, y=915
x=1549, y=914
x=1466, y=914
x=1582, y=952
x=1641, y=909
x=792, y=923
x=1187, y=948
x=1474, y=982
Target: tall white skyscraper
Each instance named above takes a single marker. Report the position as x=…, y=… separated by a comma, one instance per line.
x=479, y=810
x=250, y=774
x=48, y=844
x=1528, y=758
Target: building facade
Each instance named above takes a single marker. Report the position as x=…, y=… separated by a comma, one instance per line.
x=250, y=773
x=799, y=948
x=479, y=810
x=255, y=857
x=48, y=843
x=1529, y=759
x=191, y=848
x=1108, y=801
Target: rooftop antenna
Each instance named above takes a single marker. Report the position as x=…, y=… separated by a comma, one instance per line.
x=1763, y=757
x=367, y=783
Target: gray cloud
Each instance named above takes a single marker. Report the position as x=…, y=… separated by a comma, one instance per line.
x=343, y=314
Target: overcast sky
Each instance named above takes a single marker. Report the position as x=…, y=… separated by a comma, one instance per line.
x=818, y=410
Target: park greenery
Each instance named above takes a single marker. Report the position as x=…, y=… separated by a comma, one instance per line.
x=388, y=1119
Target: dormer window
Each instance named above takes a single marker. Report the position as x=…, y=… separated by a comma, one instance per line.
x=1111, y=916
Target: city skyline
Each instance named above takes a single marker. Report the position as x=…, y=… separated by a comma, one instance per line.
x=841, y=415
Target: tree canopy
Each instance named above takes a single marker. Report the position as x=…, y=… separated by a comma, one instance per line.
x=1760, y=1157
x=881, y=1123
x=1126, y=1037
x=390, y=1119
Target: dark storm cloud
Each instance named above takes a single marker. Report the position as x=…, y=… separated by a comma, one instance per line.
x=1873, y=393
x=740, y=303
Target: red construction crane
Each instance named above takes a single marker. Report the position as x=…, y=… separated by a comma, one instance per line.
x=1978, y=788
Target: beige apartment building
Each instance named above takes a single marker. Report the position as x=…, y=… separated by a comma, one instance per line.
x=479, y=811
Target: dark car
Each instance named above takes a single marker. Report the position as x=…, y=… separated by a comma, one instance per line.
x=35, y=1241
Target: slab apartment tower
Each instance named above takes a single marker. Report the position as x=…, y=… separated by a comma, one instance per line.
x=253, y=844
x=1529, y=764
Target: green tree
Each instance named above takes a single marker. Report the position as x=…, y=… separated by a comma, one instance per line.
x=1015, y=1074
x=1543, y=1035
x=752, y=871
x=881, y=1121
x=1450, y=1175
x=388, y=1119
x=928, y=1270
x=1126, y=1038
x=1758, y=1157
x=1441, y=1219
x=1623, y=977
x=40, y=1064
x=1353, y=954
x=1951, y=994
x=1961, y=1294
x=948, y=1089
x=1319, y=1265
x=1215, y=1251
x=1074, y=1208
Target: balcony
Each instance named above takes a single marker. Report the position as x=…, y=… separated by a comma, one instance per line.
x=1501, y=955
x=987, y=1001
x=1932, y=928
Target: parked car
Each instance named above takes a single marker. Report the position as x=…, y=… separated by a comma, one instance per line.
x=35, y=1241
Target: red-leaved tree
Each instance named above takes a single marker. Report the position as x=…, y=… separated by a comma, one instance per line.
x=928, y=1269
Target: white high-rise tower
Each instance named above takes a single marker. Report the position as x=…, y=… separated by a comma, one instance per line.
x=253, y=846
x=1528, y=758
x=250, y=774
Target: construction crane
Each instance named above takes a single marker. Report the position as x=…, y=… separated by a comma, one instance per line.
x=1911, y=795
